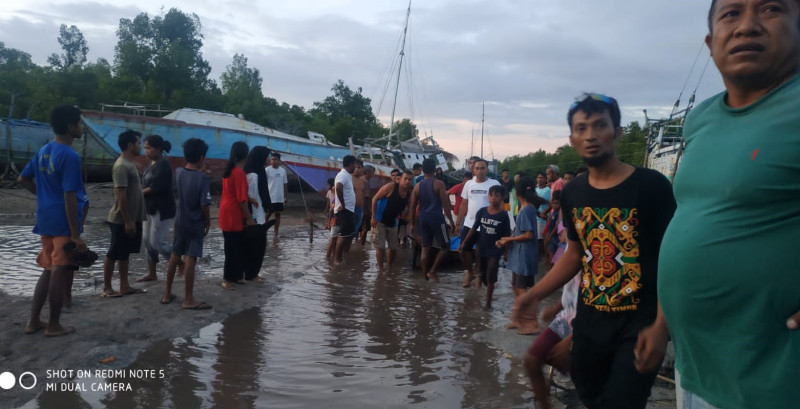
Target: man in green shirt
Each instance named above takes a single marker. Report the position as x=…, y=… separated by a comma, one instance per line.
x=728, y=279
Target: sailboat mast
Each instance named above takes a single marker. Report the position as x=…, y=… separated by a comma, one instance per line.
x=483, y=117
x=399, y=69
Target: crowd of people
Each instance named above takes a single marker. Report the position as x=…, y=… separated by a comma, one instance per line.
x=707, y=262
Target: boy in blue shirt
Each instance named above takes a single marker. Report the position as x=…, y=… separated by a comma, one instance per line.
x=54, y=176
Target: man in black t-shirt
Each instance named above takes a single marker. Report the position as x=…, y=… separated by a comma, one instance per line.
x=615, y=218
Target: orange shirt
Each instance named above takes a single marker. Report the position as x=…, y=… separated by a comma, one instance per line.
x=234, y=191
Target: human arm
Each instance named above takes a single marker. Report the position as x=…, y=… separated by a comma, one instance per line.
x=122, y=204
x=207, y=218
x=446, y=206
x=340, y=195
x=71, y=208
x=462, y=213
x=384, y=191
x=567, y=266
x=160, y=179
x=285, y=191
x=27, y=183
x=85, y=213
x=525, y=236
x=469, y=235
x=252, y=189
x=412, y=204
x=651, y=344
x=549, y=313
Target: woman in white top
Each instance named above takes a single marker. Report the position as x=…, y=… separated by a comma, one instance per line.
x=258, y=195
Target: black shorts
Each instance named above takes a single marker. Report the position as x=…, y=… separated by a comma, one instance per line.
x=604, y=375
x=472, y=240
x=522, y=282
x=487, y=268
x=346, y=220
x=433, y=233
x=275, y=207
x=123, y=245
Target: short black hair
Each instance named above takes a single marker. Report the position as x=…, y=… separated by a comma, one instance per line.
x=485, y=162
x=556, y=196
x=504, y=170
x=64, y=116
x=498, y=190
x=395, y=171
x=428, y=166
x=331, y=181
x=348, y=160
x=416, y=166
x=194, y=149
x=276, y=155
x=407, y=172
x=592, y=106
x=467, y=175
x=126, y=138
x=541, y=174
x=569, y=172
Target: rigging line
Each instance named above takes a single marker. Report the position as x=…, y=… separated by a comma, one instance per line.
x=691, y=70
x=702, y=74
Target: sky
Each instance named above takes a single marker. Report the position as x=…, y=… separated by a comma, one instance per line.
x=524, y=61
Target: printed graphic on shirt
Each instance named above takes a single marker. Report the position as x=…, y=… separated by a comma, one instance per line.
x=611, y=273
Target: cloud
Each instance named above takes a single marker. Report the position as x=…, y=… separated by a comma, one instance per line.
x=526, y=59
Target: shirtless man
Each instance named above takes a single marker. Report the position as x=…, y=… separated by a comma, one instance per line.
x=360, y=188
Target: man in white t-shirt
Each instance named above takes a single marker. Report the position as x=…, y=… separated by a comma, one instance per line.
x=475, y=195
x=345, y=206
x=278, y=189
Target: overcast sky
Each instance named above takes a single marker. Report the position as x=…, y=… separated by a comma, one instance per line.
x=526, y=59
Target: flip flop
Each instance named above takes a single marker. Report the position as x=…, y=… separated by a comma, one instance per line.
x=133, y=291
x=111, y=295
x=169, y=300
x=201, y=306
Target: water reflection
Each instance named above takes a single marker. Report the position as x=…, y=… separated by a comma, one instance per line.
x=337, y=337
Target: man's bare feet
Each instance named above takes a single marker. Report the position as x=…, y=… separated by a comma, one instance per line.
x=529, y=328
x=110, y=293
x=147, y=278
x=432, y=277
x=258, y=279
x=512, y=325
x=226, y=285
x=34, y=327
x=58, y=331
x=467, y=280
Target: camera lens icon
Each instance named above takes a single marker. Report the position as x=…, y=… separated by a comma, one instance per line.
x=8, y=380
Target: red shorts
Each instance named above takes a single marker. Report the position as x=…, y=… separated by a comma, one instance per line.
x=541, y=347
x=53, y=253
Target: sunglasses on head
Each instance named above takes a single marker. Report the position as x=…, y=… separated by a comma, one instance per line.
x=596, y=97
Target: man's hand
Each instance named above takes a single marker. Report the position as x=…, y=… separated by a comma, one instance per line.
x=253, y=202
x=793, y=321
x=130, y=229
x=522, y=304
x=207, y=228
x=80, y=245
x=373, y=222
x=650, y=348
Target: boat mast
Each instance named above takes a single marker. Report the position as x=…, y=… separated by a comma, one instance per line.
x=483, y=117
x=399, y=69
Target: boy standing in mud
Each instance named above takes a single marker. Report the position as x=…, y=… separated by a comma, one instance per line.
x=192, y=221
x=54, y=176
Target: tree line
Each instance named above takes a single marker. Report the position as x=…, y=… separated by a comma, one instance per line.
x=158, y=62
x=631, y=148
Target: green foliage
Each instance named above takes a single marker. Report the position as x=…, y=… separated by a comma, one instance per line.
x=158, y=61
x=405, y=129
x=74, y=46
x=630, y=149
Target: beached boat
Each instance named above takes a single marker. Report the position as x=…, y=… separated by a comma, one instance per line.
x=21, y=138
x=313, y=160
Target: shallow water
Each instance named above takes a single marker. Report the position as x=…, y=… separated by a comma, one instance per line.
x=344, y=336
